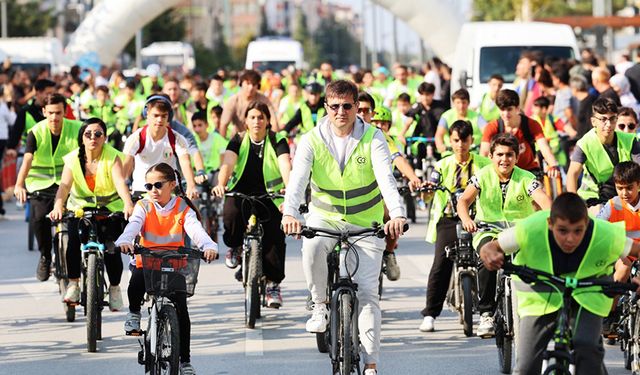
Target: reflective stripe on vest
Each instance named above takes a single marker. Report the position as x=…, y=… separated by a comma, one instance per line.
x=351, y=195
x=46, y=168
x=104, y=193
x=162, y=231
x=620, y=212
x=451, y=116
x=532, y=235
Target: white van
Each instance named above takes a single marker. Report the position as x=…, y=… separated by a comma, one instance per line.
x=274, y=53
x=32, y=53
x=487, y=48
x=169, y=56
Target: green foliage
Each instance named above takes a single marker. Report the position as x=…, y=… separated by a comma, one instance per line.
x=28, y=19
x=302, y=35
x=335, y=43
x=167, y=27
x=496, y=10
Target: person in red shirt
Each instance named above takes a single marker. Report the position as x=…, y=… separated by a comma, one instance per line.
x=528, y=132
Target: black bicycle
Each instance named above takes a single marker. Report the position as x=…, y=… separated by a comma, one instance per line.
x=558, y=358
x=629, y=326
x=209, y=208
x=422, y=167
x=341, y=338
x=253, y=279
x=60, y=270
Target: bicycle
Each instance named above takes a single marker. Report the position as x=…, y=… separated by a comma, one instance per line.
x=428, y=164
x=166, y=271
x=341, y=338
x=60, y=271
x=93, y=285
x=558, y=357
x=629, y=327
x=209, y=208
x=253, y=279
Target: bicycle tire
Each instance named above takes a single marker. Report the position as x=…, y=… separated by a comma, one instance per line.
x=467, y=304
x=100, y=300
x=626, y=341
x=168, y=342
x=635, y=346
x=322, y=341
x=252, y=287
x=410, y=202
x=30, y=236
x=505, y=351
x=380, y=282
x=345, y=338
x=92, y=303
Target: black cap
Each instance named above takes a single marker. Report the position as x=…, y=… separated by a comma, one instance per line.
x=314, y=88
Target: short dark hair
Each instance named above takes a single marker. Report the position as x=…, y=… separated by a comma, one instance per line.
x=54, y=99
x=542, y=102
x=103, y=88
x=217, y=110
x=404, y=97
x=498, y=77
x=626, y=172
x=260, y=106
x=426, y=88
x=217, y=77
x=507, y=98
x=570, y=207
x=460, y=94
x=342, y=88
x=504, y=139
x=199, y=115
x=364, y=96
x=604, y=105
x=463, y=127
x=626, y=111
x=560, y=71
x=250, y=76
x=42, y=84
x=200, y=86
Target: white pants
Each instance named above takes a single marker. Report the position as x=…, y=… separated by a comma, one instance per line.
x=369, y=249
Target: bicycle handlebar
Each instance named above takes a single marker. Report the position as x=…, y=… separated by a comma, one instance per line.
x=375, y=230
x=270, y=195
x=420, y=139
x=179, y=251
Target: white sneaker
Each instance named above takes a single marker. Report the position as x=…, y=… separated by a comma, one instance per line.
x=115, y=298
x=73, y=292
x=132, y=324
x=427, y=324
x=485, y=329
x=370, y=371
x=318, y=321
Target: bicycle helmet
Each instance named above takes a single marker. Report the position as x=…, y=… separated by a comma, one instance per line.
x=382, y=114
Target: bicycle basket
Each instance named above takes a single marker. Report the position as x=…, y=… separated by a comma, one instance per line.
x=170, y=271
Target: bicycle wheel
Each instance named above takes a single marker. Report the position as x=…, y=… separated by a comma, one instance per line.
x=345, y=339
x=167, y=359
x=100, y=298
x=627, y=339
x=92, y=303
x=69, y=310
x=323, y=340
x=30, y=235
x=467, y=304
x=380, y=281
x=252, y=287
x=635, y=346
x=505, y=325
x=410, y=202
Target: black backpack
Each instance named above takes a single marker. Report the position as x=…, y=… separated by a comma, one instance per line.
x=526, y=132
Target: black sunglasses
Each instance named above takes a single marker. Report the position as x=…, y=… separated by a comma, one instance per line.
x=630, y=126
x=158, y=185
x=345, y=106
x=96, y=134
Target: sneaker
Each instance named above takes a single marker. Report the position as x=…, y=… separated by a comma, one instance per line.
x=393, y=270
x=274, y=297
x=485, y=329
x=115, y=298
x=187, y=369
x=427, y=324
x=318, y=321
x=238, y=274
x=370, y=371
x=132, y=324
x=73, y=292
x=44, y=269
x=232, y=259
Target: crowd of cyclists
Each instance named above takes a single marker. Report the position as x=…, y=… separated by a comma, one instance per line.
x=144, y=145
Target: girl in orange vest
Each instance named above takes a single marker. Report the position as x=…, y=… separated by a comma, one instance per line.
x=164, y=220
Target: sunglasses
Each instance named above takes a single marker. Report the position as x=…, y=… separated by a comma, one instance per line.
x=96, y=134
x=630, y=126
x=364, y=110
x=158, y=185
x=345, y=106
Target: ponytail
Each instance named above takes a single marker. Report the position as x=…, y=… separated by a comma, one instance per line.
x=182, y=195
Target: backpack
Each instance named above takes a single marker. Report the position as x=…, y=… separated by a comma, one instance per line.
x=143, y=140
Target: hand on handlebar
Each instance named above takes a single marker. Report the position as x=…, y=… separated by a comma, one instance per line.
x=126, y=248
x=491, y=256
x=219, y=190
x=200, y=178
x=291, y=225
x=210, y=255
x=553, y=172
x=192, y=192
x=20, y=193
x=469, y=225
x=56, y=214
x=415, y=183
x=395, y=227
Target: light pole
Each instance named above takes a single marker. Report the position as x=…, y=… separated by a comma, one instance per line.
x=3, y=11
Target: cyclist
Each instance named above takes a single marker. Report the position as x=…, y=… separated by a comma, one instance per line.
x=211, y=144
x=47, y=142
x=597, y=152
x=344, y=154
x=460, y=111
x=627, y=121
x=487, y=107
x=256, y=162
x=566, y=242
x=102, y=108
x=425, y=113
x=93, y=175
x=30, y=114
x=310, y=111
x=163, y=220
x=541, y=114
x=400, y=85
x=454, y=173
x=518, y=189
x=526, y=130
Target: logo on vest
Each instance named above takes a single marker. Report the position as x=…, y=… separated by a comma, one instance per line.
x=361, y=160
x=520, y=198
x=601, y=263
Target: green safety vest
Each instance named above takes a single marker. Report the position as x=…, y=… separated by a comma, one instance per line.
x=307, y=118
x=488, y=108
x=491, y=208
x=212, y=156
x=351, y=195
x=147, y=84
x=127, y=115
x=551, y=134
x=397, y=124
x=450, y=116
x=532, y=235
x=29, y=123
x=598, y=165
x=46, y=168
x=104, y=194
x=290, y=108
x=104, y=113
x=273, y=181
x=447, y=169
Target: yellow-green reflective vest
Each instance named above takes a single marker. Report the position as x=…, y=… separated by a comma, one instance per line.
x=291, y=106
x=351, y=195
x=551, y=134
x=46, y=168
x=490, y=206
x=104, y=193
x=447, y=169
x=397, y=124
x=488, y=108
x=451, y=116
x=273, y=181
x=210, y=150
x=598, y=165
x=307, y=118
x=532, y=235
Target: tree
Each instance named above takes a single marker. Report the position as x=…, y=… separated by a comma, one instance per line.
x=28, y=19
x=169, y=26
x=208, y=60
x=301, y=34
x=494, y=10
x=335, y=43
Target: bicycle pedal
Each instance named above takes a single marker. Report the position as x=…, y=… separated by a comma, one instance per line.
x=134, y=333
x=72, y=304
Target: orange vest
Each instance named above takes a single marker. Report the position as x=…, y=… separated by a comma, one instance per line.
x=162, y=231
x=620, y=212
